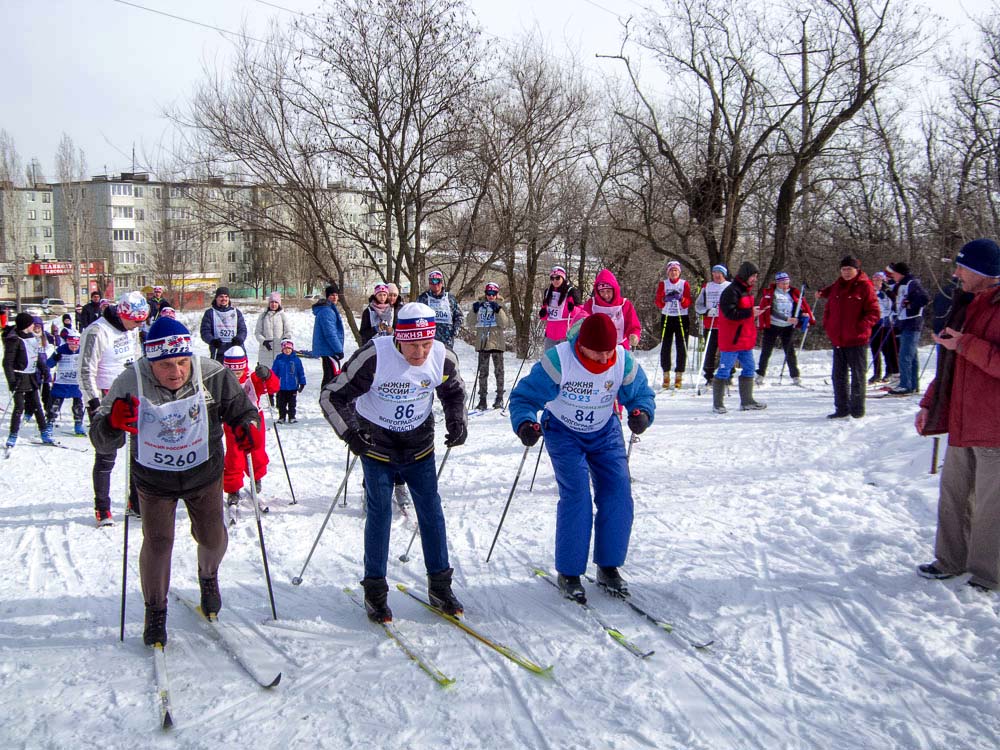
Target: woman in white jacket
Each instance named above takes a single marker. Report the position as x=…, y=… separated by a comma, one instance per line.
x=272, y=328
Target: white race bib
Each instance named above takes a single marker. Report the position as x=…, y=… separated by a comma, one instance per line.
x=401, y=396
x=31, y=348
x=224, y=324
x=173, y=436
x=486, y=318
x=442, y=309
x=586, y=399
x=615, y=313
x=68, y=369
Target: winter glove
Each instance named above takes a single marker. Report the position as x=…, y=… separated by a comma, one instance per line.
x=570, y=304
x=529, y=432
x=543, y=313
x=262, y=372
x=92, y=406
x=125, y=414
x=476, y=306
x=457, y=433
x=495, y=306
x=244, y=436
x=301, y=387
x=237, y=341
x=638, y=421
x=267, y=344
x=359, y=442
x=746, y=302
x=673, y=295
x=804, y=323
x=215, y=344
x=633, y=340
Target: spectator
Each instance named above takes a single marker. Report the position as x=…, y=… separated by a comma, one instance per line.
x=909, y=308
x=91, y=311
x=447, y=315
x=222, y=325
x=328, y=334
x=271, y=329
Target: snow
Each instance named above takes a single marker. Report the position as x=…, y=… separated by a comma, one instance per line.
x=790, y=539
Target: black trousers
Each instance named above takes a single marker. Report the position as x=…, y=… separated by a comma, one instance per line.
x=884, y=347
x=849, y=363
x=711, y=351
x=768, y=340
x=331, y=369
x=104, y=464
x=674, y=330
x=26, y=402
x=56, y=405
x=287, y=401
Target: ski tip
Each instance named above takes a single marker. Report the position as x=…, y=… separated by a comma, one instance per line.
x=402, y=587
x=168, y=721
x=274, y=682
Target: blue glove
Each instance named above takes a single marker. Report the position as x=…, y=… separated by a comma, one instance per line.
x=673, y=295
x=804, y=323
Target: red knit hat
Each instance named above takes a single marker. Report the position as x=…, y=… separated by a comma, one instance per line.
x=598, y=332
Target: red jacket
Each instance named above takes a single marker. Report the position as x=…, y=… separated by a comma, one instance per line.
x=737, y=331
x=851, y=310
x=767, y=299
x=973, y=399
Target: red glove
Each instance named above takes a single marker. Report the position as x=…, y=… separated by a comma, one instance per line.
x=245, y=436
x=125, y=414
x=746, y=302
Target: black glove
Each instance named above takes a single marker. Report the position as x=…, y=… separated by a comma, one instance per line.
x=92, y=406
x=570, y=304
x=215, y=343
x=530, y=433
x=638, y=421
x=543, y=313
x=237, y=341
x=267, y=344
x=359, y=442
x=262, y=372
x=245, y=436
x=301, y=387
x=495, y=306
x=457, y=433
x=476, y=306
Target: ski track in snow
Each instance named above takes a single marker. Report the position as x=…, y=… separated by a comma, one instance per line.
x=789, y=539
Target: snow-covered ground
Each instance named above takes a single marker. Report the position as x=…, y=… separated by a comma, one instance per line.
x=789, y=539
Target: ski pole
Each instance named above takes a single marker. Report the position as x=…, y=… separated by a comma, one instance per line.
x=534, y=335
x=795, y=315
x=405, y=557
x=927, y=362
x=128, y=483
x=347, y=469
x=297, y=580
x=509, y=498
x=475, y=383
x=934, y=455
x=277, y=436
x=538, y=460
x=260, y=531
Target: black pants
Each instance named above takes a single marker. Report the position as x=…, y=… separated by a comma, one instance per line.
x=286, y=403
x=331, y=369
x=849, y=362
x=771, y=335
x=711, y=351
x=26, y=402
x=674, y=330
x=484, y=373
x=884, y=347
x=104, y=464
x=56, y=405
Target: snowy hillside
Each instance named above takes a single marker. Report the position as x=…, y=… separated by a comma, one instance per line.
x=788, y=539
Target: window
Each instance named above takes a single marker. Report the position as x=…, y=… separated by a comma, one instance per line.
x=157, y=236
x=157, y=192
x=214, y=236
x=48, y=250
x=176, y=192
x=230, y=236
x=231, y=257
x=32, y=214
x=46, y=197
x=139, y=238
x=31, y=197
x=121, y=212
x=119, y=189
x=123, y=235
x=46, y=231
x=140, y=214
x=137, y=191
x=232, y=277
x=46, y=216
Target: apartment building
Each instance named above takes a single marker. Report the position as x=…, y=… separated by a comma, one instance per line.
x=27, y=235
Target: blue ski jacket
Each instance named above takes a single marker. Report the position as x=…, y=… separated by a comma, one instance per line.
x=288, y=368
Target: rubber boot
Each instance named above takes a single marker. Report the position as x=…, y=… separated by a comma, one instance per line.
x=746, y=396
x=719, y=396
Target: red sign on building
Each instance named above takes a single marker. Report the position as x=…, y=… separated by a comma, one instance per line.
x=64, y=268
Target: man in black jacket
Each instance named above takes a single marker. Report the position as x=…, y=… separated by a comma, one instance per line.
x=91, y=311
x=174, y=407
x=222, y=325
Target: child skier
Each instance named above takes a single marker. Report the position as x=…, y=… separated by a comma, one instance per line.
x=24, y=368
x=255, y=384
x=65, y=360
x=673, y=297
x=575, y=386
x=292, y=378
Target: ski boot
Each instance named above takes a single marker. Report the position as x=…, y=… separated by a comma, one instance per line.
x=376, y=599
x=746, y=396
x=666, y=380
x=292, y=420
x=572, y=588
x=440, y=594
x=211, y=599
x=132, y=508
x=11, y=440
x=155, y=630
x=402, y=497
x=678, y=380
x=47, y=435
x=797, y=381
x=78, y=428
x=612, y=582
x=759, y=380
x=718, y=396
x=481, y=406
x=232, y=499
x=498, y=404
x=104, y=518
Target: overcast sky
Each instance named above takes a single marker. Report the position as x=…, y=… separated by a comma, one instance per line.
x=104, y=71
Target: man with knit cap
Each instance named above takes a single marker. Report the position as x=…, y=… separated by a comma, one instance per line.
x=328, y=333
x=174, y=405
x=851, y=311
x=963, y=400
x=737, y=338
x=447, y=314
x=222, y=325
x=575, y=386
x=381, y=406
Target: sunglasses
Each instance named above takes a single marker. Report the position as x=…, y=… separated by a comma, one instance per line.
x=436, y=281
x=553, y=278
x=491, y=294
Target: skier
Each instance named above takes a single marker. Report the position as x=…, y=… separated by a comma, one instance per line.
x=172, y=394
x=447, y=314
x=24, y=368
x=379, y=317
x=737, y=337
x=490, y=320
x=779, y=304
x=707, y=305
x=261, y=380
x=575, y=386
x=558, y=303
x=328, y=333
x=156, y=304
x=271, y=329
x=673, y=297
x=380, y=405
x=292, y=378
x=108, y=346
x=91, y=311
x=883, y=342
x=909, y=303
x=65, y=361
x=607, y=299
x=222, y=325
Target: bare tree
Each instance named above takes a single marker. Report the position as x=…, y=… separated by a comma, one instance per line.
x=12, y=216
x=71, y=172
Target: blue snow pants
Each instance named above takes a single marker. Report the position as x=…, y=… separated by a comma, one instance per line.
x=421, y=477
x=579, y=458
x=728, y=359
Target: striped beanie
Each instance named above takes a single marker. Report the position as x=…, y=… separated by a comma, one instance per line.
x=415, y=322
x=167, y=338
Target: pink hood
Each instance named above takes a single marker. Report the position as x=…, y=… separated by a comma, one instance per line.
x=604, y=276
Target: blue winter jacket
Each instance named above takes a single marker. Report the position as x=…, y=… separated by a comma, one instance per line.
x=63, y=390
x=328, y=331
x=288, y=368
x=542, y=385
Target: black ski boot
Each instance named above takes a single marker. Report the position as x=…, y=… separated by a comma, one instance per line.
x=572, y=588
x=440, y=593
x=376, y=599
x=481, y=406
x=211, y=599
x=498, y=404
x=612, y=582
x=155, y=630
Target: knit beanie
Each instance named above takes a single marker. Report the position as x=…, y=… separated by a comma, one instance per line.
x=850, y=260
x=331, y=288
x=24, y=321
x=222, y=290
x=415, y=322
x=981, y=256
x=167, y=338
x=746, y=270
x=274, y=297
x=899, y=267
x=235, y=358
x=598, y=332
x=719, y=268
x=782, y=276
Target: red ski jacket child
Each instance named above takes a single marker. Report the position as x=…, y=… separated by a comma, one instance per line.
x=260, y=381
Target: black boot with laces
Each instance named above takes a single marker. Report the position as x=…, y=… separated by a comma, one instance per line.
x=611, y=581
x=211, y=599
x=440, y=593
x=155, y=630
x=572, y=588
x=377, y=599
